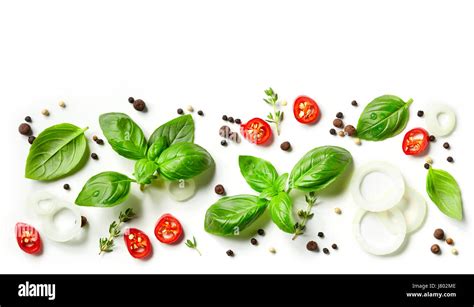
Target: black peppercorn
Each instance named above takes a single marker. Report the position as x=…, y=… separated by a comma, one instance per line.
x=321, y=234
x=94, y=156
x=180, y=111
x=339, y=115
x=139, y=105
x=312, y=246
x=230, y=253
x=446, y=145
x=326, y=251
x=432, y=138
x=253, y=241
x=420, y=113
x=450, y=159
x=83, y=221
x=354, y=103
x=131, y=99
x=334, y=246
x=261, y=232
x=200, y=113
x=238, y=121
x=224, y=117
x=95, y=138
x=332, y=131
x=224, y=143
x=25, y=129
x=66, y=187
x=427, y=165
x=100, y=142
x=28, y=119
x=231, y=119
x=219, y=189
x=285, y=146
x=31, y=139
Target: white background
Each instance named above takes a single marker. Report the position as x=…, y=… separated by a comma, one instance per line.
x=219, y=56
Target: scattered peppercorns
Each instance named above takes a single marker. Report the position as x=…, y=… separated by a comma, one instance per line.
x=100, y=142
x=231, y=119
x=224, y=131
x=45, y=112
x=339, y=115
x=446, y=145
x=454, y=251
x=338, y=210
x=357, y=141
x=95, y=138
x=190, y=108
x=28, y=119
x=272, y=250
x=234, y=137
x=62, y=104
x=254, y=241
x=450, y=159
x=31, y=139
x=321, y=234
x=341, y=133
x=432, y=138
x=326, y=251
x=427, y=165
x=285, y=146
x=66, y=187
x=224, y=117
x=83, y=221
x=139, y=105
x=312, y=246
x=354, y=103
x=332, y=131
x=94, y=156
x=435, y=249
x=450, y=241
x=131, y=99
x=439, y=234
x=350, y=130
x=334, y=246
x=180, y=111
x=224, y=143
x=429, y=160
x=219, y=189
x=420, y=113
x=238, y=121
x=230, y=253
x=338, y=123
x=261, y=232
x=25, y=129
x=200, y=113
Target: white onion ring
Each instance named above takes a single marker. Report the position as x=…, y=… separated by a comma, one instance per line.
x=51, y=230
x=181, y=190
x=49, y=203
x=413, y=208
x=386, y=201
x=433, y=124
x=398, y=222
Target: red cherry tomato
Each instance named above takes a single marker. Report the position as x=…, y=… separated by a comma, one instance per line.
x=415, y=141
x=306, y=110
x=256, y=131
x=138, y=244
x=168, y=229
x=28, y=238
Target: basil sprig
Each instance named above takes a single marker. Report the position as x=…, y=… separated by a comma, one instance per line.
x=318, y=169
x=171, y=155
x=444, y=191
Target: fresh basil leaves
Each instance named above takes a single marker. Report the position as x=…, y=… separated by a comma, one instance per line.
x=104, y=190
x=318, y=169
x=384, y=117
x=169, y=153
x=444, y=192
x=58, y=151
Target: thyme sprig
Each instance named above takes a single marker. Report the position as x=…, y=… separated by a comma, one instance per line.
x=305, y=215
x=277, y=116
x=193, y=245
x=106, y=244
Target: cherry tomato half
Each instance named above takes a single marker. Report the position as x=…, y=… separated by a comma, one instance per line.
x=138, y=244
x=28, y=238
x=256, y=131
x=306, y=110
x=168, y=229
x=415, y=141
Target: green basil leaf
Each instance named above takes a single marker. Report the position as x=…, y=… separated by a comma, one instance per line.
x=157, y=148
x=183, y=161
x=178, y=130
x=384, y=117
x=319, y=168
x=58, y=151
x=259, y=174
x=281, y=211
x=268, y=193
x=106, y=189
x=124, y=135
x=281, y=182
x=444, y=191
x=145, y=170
x=230, y=215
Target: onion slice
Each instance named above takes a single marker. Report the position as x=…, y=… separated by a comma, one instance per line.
x=413, y=208
x=432, y=120
x=55, y=233
x=181, y=190
x=385, y=201
x=398, y=228
x=43, y=203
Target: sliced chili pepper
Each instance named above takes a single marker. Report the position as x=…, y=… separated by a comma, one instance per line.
x=28, y=238
x=306, y=110
x=138, y=244
x=415, y=141
x=256, y=131
x=168, y=229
